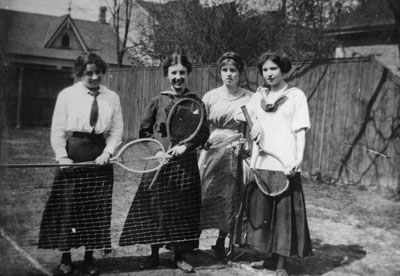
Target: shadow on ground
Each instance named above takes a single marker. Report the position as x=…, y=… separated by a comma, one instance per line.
x=326, y=258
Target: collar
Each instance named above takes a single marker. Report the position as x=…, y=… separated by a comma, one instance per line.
x=170, y=93
x=240, y=92
x=280, y=101
x=84, y=89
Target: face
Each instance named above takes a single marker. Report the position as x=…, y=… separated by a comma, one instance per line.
x=92, y=76
x=177, y=75
x=272, y=73
x=230, y=75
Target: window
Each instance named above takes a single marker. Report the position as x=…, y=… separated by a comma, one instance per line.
x=66, y=42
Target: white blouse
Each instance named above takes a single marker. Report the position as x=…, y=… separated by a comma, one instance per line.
x=279, y=128
x=72, y=112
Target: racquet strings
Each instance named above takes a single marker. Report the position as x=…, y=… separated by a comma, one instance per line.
x=137, y=156
x=184, y=120
x=271, y=182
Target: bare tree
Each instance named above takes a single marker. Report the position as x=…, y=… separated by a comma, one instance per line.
x=204, y=32
x=121, y=13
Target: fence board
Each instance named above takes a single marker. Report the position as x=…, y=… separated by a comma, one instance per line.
x=326, y=130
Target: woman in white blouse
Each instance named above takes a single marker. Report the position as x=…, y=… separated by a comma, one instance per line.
x=281, y=119
x=87, y=126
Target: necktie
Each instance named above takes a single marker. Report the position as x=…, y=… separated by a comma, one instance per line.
x=94, y=112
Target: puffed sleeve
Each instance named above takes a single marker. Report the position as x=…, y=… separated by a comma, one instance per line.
x=59, y=125
x=114, y=137
x=301, y=116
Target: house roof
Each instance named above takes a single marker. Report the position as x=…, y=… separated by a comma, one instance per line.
x=371, y=15
x=28, y=34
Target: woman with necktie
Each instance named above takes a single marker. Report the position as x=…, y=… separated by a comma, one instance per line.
x=86, y=126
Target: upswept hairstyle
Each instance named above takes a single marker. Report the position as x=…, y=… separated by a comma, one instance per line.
x=282, y=61
x=89, y=58
x=231, y=56
x=176, y=59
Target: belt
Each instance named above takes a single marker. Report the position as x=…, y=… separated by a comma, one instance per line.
x=87, y=136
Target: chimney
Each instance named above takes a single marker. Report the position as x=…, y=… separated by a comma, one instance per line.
x=102, y=15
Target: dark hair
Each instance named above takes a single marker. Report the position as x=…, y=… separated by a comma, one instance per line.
x=231, y=56
x=89, y=58
x=282, y=61
x=176, y=59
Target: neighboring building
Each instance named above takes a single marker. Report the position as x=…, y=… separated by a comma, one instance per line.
x=369, y=30
x=39, y=53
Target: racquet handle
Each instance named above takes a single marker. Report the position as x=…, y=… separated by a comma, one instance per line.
x=247, y=116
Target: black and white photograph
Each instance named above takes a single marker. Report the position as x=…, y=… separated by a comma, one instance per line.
x=199, y=137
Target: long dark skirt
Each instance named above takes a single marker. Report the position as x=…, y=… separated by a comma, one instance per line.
x=278, y=225
x=78, y=211
x=168, y=213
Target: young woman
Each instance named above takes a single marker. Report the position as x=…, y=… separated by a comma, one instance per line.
x=168, y=213
x=218, y=167
x=281, y=119
x=87, y=125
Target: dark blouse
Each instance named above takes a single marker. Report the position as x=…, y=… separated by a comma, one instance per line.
x=155, y=118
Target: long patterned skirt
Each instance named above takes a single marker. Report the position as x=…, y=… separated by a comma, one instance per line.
x=168, y=213
x=78, y=211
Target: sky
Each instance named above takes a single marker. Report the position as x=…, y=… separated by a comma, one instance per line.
x=80, y=9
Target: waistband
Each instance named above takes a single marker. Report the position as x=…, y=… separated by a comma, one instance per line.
x=87, y=136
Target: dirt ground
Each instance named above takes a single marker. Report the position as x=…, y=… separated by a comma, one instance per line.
x=354, y=230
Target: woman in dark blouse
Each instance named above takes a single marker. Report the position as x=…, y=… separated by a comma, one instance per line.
x=168, y=213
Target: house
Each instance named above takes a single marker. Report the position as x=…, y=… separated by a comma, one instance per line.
x=369, y=30
x=38, y=53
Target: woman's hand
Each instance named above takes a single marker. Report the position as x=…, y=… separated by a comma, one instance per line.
x=294, y=168
x=255, y=132
x=104, y=158
x=177, y=150
x=65, y=161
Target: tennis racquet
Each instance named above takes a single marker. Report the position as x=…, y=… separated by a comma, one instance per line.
x=271, y=183
x=183, y=123
x=139, y=156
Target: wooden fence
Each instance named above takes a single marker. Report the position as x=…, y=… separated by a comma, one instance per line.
x=354, y=108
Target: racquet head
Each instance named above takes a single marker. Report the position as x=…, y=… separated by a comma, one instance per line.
x=184, y=120
x=141, y=156
x=271, y=183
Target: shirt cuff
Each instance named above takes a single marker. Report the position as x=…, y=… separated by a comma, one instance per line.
x=61, y=154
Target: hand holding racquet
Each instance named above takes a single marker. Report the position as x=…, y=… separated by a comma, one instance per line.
x=183, y=123
x=271, y=183
x=139, y=156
